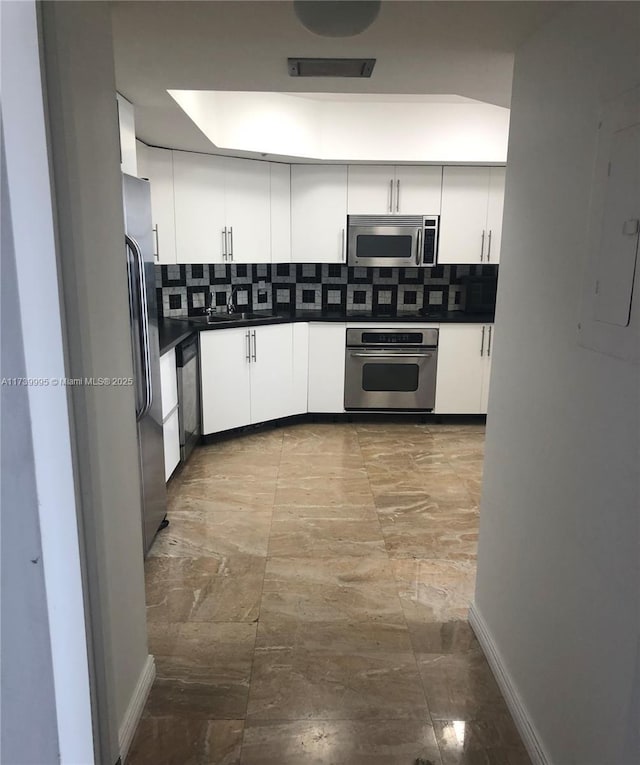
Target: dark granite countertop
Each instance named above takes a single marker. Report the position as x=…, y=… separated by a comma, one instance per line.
x=171, y=332
x=174, y=331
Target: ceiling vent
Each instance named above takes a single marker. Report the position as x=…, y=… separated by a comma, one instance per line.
x=331, y=67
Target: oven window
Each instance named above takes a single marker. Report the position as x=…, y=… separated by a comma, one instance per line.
x=390, y=377
x=393, y=247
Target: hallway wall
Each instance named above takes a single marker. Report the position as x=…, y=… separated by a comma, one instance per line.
x=558, y=580
x=81, y=100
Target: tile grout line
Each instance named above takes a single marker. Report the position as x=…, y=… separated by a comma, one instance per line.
x=264, y=576
x=404, y=617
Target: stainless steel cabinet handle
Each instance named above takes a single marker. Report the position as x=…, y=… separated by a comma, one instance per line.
x=482, y=247
x=224, y=243
x=231, y=243
x=419, y=247
x=391, y=195
x=482, y=346
x=391, y=356
x=489, y=247
x=255, y=346
x=156, y=254
x=489, y=346
x=248, y=339
x=398, y=195
x=343, y=249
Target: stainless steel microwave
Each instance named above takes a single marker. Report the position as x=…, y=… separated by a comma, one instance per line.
x=393, y=240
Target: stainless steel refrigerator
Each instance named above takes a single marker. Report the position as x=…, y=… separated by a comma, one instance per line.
x=146, y=353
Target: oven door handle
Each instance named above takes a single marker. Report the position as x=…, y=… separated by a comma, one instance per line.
x=391, y=355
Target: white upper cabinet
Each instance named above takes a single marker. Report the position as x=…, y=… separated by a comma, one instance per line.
x=280, y=212
x=247, y=210
x=418, y=190
x=157, y=166
x=394, y=190
x=371, y=189
x=127, y=135
x=223, y=209
x=318, y=213
x=471, y=221
x=494, y=213
x=201, y=235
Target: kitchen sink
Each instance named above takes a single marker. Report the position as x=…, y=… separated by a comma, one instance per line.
x=220, y=318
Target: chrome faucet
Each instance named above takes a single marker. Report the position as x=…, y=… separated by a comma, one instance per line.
x=209, y=310
x=231, y=306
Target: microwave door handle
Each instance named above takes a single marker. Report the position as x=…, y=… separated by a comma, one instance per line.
x=419, y=247
x=391, y=195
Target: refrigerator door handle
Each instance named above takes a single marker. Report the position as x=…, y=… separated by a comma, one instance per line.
x=140, y=294
x=135, y=325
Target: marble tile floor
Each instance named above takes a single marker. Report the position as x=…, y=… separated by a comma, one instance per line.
x=307, y=604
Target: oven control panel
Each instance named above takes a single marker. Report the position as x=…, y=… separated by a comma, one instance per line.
x=391, y=337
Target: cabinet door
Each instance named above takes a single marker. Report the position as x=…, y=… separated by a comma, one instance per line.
x=171, y=440
x=247, y=210
x=300, y=368
x=461, y=365
x=280, y=212
x=168, y=382
x=486, y=374
x=463, y=222
x=371, y=189
x=157, y=166
x=318, y=213
x=199, y=207
x=224, y=370
x=271, y=372
x=326, y=367
x=418, y=190
x=494, y=214
x=127, y=127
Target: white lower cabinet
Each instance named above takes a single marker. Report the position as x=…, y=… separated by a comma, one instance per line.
x=170, y=429
x=247, y=376
x=171, y=436
x=256, y=374
x=226, y=386
x=300, y=368
x=271, y=372
x=326, y=367
x=464, y=368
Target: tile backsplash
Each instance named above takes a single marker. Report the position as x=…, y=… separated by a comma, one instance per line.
x=313, y=286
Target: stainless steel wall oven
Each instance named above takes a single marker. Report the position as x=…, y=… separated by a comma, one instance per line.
x=391, y=369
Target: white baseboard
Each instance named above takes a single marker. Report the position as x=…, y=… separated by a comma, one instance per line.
x=518, y=710
x=136, y=705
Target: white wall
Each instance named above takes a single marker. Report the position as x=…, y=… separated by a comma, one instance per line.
x=38, y=492
x=351, y=127
x=28, y=730
x=88, y=185
x=558, y=583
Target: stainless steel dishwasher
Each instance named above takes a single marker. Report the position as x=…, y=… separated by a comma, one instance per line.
x=188, y=395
